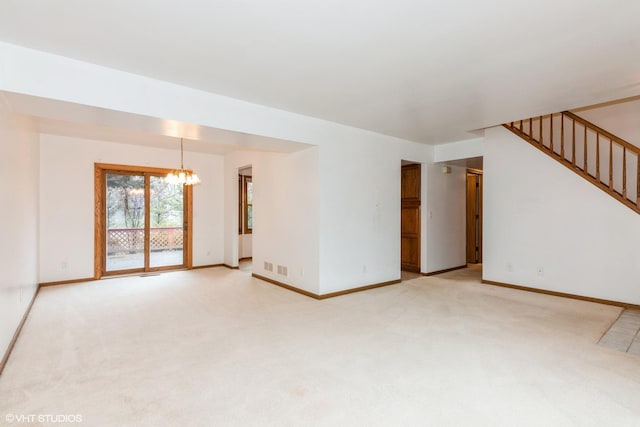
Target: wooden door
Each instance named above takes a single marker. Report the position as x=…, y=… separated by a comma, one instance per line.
x=410, y=218
x=474, y=217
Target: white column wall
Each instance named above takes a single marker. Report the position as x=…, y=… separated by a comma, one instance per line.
x=446, y=218
x=285, y=214
x=360, y=209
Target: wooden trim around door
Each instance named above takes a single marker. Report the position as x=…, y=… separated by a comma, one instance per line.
x=410, y=217
x=243, y=205
x=147, y=222
x=473, y=216
x=188, y=226
x=99, y=214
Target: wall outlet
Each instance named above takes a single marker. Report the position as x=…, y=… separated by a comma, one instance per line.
x=64, y=265
x=540, y=271
x=509, y=267
x=364, y=268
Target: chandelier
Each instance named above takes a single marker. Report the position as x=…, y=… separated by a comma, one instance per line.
x=182, y=176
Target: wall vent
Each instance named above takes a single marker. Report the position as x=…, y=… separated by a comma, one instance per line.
x=268, y=266
x=282, y=270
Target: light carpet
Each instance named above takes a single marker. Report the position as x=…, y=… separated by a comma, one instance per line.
x=216, y=347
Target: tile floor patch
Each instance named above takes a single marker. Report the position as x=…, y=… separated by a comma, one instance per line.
x=624, y=334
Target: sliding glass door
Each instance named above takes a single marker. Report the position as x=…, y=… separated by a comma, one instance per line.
x=141, y=221
x=125, y=222
x=166, y=233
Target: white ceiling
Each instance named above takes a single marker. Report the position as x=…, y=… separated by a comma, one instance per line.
x=425, y=70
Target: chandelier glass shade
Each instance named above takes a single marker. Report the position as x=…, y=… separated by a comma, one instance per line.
x=182, y=176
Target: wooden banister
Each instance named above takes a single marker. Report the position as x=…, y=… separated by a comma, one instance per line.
x=601, y=131
x=610, y=165
x=619, y=175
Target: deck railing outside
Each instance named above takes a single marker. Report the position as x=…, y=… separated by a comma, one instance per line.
x=125, y=240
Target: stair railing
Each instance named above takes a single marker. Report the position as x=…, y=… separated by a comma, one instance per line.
x=604, y=159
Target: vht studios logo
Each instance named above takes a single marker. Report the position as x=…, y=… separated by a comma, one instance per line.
x=43, y=418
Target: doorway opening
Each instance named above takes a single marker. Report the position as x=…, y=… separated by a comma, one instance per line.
x=410, y=185
x=245, y=218
x=142, y=223
x=474, y=216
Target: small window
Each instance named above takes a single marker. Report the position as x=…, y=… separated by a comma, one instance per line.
x=246, y=205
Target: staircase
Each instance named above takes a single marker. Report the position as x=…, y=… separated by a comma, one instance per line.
x=608, y=162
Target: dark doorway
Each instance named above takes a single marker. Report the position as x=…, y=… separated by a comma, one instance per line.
x=410, y=218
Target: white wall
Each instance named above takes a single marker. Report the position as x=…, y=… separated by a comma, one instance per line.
x=538, y=214
x=67, y=201
x=360, y=176
x=459, y=150
x=286, y=218
x=446, y=218
x=285, y=214
x=245, y=245
x=19, y=160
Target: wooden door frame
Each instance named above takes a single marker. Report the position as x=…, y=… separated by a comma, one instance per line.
x=412, y=203
x=243, y=206
x=479, y=174
x=100, y=171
